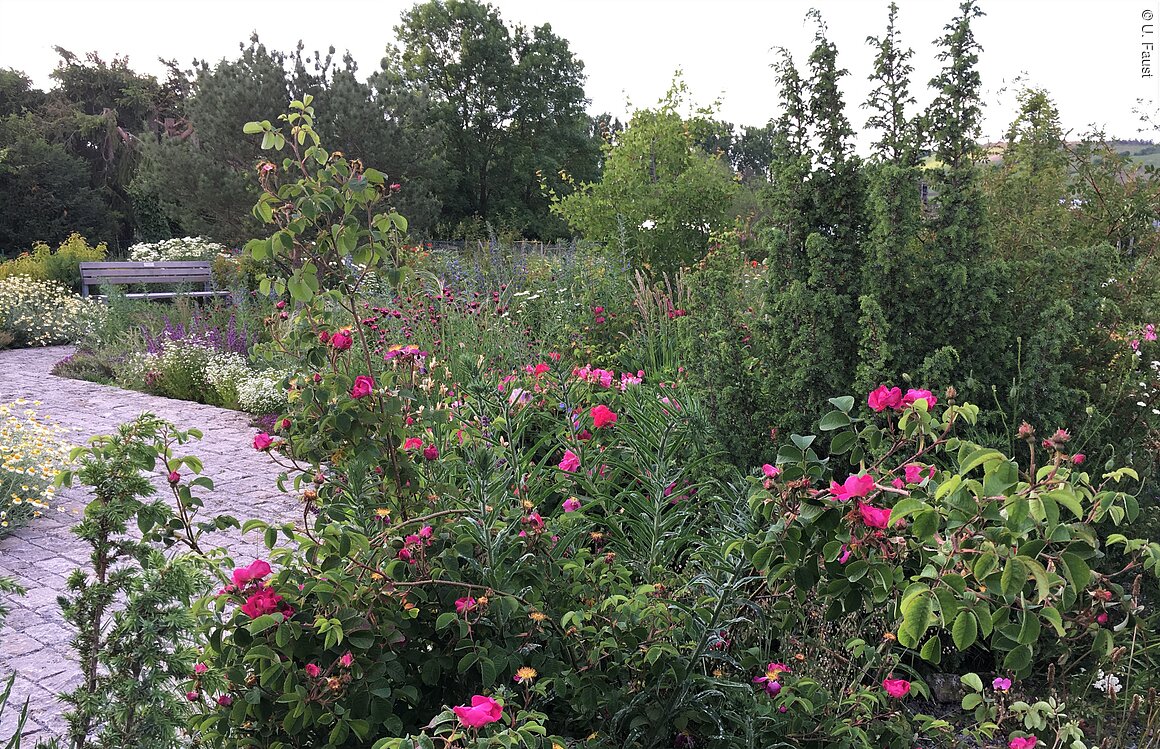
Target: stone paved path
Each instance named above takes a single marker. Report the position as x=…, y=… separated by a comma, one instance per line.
x=34, y=640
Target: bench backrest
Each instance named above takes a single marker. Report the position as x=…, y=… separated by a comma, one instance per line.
x=161, y=271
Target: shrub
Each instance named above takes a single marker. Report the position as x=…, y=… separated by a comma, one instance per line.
x=44, y=313
x=31, y=453
x=61, y=265
x=262, y=392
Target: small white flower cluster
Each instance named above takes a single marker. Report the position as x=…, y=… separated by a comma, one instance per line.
x=223, y=372
x=44, y=313
x=185, y=248
x=207, y=371
x=262, y=392
x=1107, y=683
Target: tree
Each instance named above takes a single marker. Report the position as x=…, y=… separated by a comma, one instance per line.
x=659, y=193
x=511, y=102
x=898, y=139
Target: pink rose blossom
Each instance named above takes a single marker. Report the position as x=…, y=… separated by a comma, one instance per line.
x=1028, y=742
x=262, y=441
x=874, y=517
x=412, y=443
x=312, y=670
x=571, y=504
x=570, y=462
x=912, y=396
x=431, y=452
x=915, y=473
x=174, y=477
x=1102, y=617
x=225, y=700
x=464, y=604
x=341, y=340
x=346, y=659
x=853, y=486
x=770, y=471
x=1000, y=684
x=883, y=398
x=362, y=387
x=265, y=601
x=200, y=668
x=192, y=696
x=254, y=572
x=896, y=688
x=483, y=711
x=1078, y=458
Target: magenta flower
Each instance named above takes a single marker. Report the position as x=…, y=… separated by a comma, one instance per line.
x=845, y=555
x=912, y=396
x=312, y=670
x=430, y=452
x=770, y=471
x=571, y=504
x=1000, y=684
x=412, y=443
x=883, y=398
x=255, y=571
x=346, y=659
x=262, y=441
x=225, y=700
x=570, y=462
x=483, y=711
x=896, y=688
x=602, y=416
x=174, y=477
x=192, y=696
x=426, y=532
x=1078, y=458
x=362, y=387
x=769, y=681
x=464, y=604
x=854, y=486
x=341, y=340
x=1023, y=742
x=914, y=473
x=265, y=601
x=874, y=517
x=200, y=668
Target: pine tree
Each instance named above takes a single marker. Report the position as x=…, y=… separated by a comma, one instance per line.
x=898, y=139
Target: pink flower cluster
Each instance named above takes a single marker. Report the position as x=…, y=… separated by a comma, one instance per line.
x=594, y=376
x=260, y=597
x=857, y=486
x=414, y=543
x=883, y=398
x=430, y=452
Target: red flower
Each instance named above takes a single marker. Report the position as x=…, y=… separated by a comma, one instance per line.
x=431, y=452
x=602, y=416
x=312, y=670
x=262, y=441
x=412, y=443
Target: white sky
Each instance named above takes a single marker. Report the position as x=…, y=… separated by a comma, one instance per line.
x=1087, y=53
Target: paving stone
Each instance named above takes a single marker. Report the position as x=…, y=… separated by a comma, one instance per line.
x=34, y=641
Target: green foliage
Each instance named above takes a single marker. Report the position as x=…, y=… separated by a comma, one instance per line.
x=659, y=191
x=133, y=656
x=511, y=102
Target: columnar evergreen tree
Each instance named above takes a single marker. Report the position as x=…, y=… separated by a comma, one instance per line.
x=894, y=250
x=792, y=158
x=963, y=286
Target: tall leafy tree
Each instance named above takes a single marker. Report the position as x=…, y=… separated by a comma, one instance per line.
x=512, y=105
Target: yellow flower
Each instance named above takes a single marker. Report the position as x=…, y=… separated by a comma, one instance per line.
x=538, y=616
x=525, y=674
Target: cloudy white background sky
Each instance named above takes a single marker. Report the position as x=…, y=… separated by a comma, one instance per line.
x=1087, y=53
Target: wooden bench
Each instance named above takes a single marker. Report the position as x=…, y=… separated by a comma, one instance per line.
x=169, y=272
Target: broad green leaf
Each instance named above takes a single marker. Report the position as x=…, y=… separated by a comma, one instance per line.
x=1014, y=576
x=965, y=630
